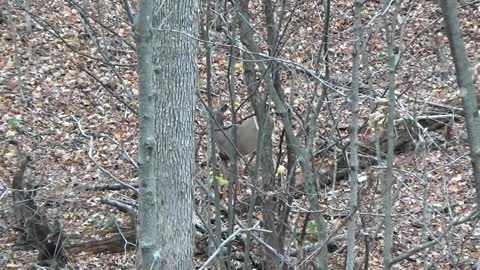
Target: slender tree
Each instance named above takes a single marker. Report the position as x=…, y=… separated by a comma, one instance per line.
x=167, y=56
x=465, y=83
x=388, y=181
x=354, y=167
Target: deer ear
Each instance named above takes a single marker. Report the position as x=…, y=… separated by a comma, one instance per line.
x=219, y=113
x=223, y=107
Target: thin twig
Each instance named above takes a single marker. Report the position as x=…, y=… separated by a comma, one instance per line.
x=90, y=155
x=228, y=240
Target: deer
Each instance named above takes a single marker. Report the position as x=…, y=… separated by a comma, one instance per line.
x=246, y=137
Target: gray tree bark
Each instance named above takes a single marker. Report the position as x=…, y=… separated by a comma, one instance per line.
x=147, y=223
x=167, y=57
x=465, y=83
x=390, y=30
x=27, y=4
x=354, y=167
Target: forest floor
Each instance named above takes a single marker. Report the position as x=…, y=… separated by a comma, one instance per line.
x=62, y=103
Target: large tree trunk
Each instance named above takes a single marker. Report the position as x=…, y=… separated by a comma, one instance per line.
x=167, y=56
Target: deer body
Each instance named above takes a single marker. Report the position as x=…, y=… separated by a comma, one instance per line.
x=245, y=141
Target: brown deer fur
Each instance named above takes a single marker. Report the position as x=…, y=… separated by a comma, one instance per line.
x=246, y=139
x=246, y=136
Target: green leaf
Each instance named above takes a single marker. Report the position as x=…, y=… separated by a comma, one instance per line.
x=222, y=181
x=15, y=123
x=381, y=55
x=311, y=227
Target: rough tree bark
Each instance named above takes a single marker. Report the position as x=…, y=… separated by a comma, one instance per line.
x=167, y=56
